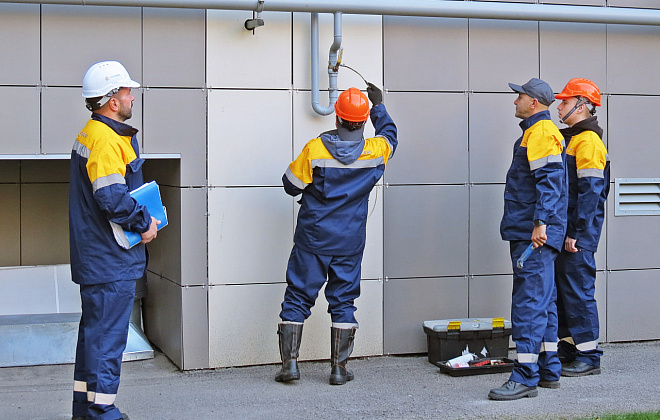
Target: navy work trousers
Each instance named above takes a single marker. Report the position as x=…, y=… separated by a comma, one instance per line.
x=534, y=315
x=305, y=275
x=102, y=334
x=576, y=304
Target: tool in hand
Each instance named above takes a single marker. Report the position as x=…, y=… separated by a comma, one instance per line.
x=521, y=261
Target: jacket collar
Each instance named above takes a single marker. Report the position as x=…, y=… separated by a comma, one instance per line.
x=530, y=121
x=119, y=127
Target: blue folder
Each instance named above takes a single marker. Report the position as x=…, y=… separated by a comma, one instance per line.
x=147, y=195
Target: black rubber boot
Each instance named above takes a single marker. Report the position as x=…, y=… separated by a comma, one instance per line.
x=290, y=336
x=341, y=343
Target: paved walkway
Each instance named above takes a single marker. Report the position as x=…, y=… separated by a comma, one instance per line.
x=384, y=388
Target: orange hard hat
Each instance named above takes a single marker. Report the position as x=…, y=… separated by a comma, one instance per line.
x=352, y=105
x=581, y=87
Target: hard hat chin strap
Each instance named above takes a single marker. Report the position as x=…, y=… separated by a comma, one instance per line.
x=580, y=101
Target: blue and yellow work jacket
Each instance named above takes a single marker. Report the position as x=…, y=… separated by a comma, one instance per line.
x=105, y=166
x=536, y=183
x=335, y=178
x=588, y=182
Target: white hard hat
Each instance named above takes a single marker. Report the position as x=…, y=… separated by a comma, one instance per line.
x=106, y=77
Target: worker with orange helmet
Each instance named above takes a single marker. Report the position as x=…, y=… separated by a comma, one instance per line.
x=589, y=183
x=335, y=173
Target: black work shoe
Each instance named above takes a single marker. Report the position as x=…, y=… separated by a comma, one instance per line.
x=577, y=368
x=77, y=418
x=549, y=384
x=512, y=391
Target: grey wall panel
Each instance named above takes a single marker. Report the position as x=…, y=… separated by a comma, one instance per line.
x=601, y=301
x=10, y=225
x=44, y=243
x=20, y=111
x=631, y=240
x=490, y=296
x=432, y=132
x=507, y=49
x=195, y=319
x=425, y=231
x=633, y=59
x=577, y=2
x=633, y=148
x=174, y=42
x=178, y=129
x=560, y=61
x=422, y=53
x=162, y=311
x=408, y=303
x=75, y=37
x=489, y=254
x=19, y=44
x=493, y=131
x=165, y=250
x=234, y=54
x=649, y=4
x=249, y=136
x=64, y=115
x=194, y=247
x=632, y=298
x=250, y=235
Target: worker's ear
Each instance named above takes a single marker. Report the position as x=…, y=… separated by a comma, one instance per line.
x=113, y=103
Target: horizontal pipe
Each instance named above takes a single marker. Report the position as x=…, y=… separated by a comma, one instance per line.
x=430, y=8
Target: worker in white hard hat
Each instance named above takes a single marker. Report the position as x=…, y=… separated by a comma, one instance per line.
x=105, y=167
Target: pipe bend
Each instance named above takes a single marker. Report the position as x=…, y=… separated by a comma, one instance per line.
x=332, y=62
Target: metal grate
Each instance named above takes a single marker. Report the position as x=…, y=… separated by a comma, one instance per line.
x=636, y=196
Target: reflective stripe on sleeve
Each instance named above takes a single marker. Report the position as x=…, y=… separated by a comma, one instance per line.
x=539, y=163
x=589, y=345
x=528, y=358
x=81, y=149
x=294, y=179
x=590, y=172
x=107, y=180
x=79, y=386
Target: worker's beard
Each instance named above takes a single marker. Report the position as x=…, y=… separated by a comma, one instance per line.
x=125, y=112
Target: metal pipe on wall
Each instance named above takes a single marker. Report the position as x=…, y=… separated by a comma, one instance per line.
x=430, y=8
x=332, y=65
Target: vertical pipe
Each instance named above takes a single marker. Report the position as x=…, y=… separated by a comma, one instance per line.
x=332, y=64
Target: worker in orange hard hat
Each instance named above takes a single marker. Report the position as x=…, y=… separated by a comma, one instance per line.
x=588, y=169
x=335, y=174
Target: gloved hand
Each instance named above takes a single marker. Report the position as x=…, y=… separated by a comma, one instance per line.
x=375, y=94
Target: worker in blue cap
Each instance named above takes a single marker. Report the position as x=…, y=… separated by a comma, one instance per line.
x=535, y=202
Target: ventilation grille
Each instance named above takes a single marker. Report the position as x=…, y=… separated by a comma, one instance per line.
x=637, y=196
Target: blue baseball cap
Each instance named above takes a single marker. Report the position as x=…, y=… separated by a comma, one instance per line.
x=537, y=89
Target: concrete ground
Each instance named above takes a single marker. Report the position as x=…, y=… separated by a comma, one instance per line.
x=384, y=388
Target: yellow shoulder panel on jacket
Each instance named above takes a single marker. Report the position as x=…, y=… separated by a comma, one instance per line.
x=376, y=147
x=302, y=168
x=109, y=152
x=543, y=139
x=589, y=151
